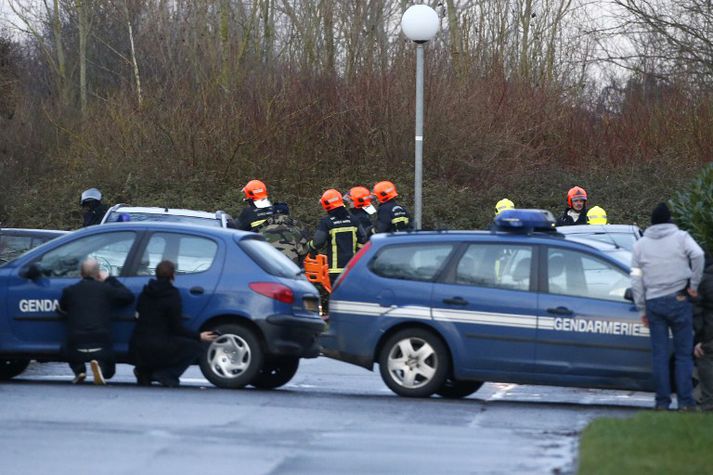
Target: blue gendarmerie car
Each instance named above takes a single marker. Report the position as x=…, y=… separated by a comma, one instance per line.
x=442, y=312
x=232, y=282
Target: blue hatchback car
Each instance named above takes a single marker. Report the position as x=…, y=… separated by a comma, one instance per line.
x=442, y=312
x=230, y=281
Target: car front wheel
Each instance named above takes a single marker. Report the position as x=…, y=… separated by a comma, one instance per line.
x=233, y=359
x=414, y=363
x=11, y=368
x=276, y=372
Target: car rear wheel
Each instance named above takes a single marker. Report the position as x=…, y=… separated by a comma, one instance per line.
x=11, y=368
x=276, y=372
x=233, y=359
x=453, y=389
x=414, y=363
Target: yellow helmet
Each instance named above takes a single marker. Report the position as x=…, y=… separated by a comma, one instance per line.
x=596, y=215
x=502, y=205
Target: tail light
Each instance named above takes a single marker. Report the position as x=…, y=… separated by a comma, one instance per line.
x=352, y=262
x=279, y=292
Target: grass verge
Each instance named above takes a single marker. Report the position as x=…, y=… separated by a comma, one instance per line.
x=650, y=442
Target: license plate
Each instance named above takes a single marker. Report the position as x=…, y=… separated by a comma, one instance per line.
x=311, y=305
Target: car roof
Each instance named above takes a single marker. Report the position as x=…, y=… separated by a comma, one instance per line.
x=32, y=232
x=447, y=235
x=382, y=239
x=170, y=226
x=599, y=228
x=164, y=211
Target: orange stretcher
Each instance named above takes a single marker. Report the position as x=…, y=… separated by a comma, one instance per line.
x=317, y=271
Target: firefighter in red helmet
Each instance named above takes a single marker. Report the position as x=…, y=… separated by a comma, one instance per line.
x=339, y=233
x=576, y=212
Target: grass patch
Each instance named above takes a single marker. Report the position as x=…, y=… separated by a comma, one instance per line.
x=650, y=442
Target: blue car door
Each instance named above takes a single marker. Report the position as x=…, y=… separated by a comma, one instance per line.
x=32, y=304
x=198, y=260
x=487, y=301
x=586, y=328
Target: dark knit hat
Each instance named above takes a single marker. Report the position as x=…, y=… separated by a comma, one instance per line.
x=661, y=214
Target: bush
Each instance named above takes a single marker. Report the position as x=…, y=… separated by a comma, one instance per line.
x=692, y=208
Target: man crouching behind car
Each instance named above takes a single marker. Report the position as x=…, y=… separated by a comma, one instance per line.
x=161, y=347
x=87, y=306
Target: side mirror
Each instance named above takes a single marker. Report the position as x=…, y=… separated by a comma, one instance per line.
x=629, y=295
x=31, y=271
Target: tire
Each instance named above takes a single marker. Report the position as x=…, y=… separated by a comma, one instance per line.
x=453, y=389
x=11, y=368
x=234, y=359
x=276, y=372
x=414, y=363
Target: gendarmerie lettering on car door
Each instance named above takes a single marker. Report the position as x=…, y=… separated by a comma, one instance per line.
x=609, y=327
x=38, y=305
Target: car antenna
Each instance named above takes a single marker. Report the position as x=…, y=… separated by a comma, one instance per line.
x=613, y=241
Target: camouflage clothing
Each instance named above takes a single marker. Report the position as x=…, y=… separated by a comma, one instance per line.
x=287, y=235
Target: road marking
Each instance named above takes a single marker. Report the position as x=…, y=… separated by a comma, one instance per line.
x=502, y=392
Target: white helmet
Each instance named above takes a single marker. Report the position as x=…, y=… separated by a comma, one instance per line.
x=91, y=194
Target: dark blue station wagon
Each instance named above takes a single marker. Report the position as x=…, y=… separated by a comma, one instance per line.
x=442, y=312
x=230, y=281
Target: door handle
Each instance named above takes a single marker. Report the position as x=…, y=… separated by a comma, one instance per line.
x=455, y=301
x=197, y=290
x=564, y=311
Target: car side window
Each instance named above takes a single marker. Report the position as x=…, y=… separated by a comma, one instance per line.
x=191, y=254
x=13, y=246
x=109, y=249
x=581, y=275
x=504, y=266
x=411, y=262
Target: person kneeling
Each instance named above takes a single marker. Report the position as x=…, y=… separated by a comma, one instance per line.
x=161, y=347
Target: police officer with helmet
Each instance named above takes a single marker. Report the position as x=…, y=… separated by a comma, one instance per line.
x=93, y=210
x=339, y=232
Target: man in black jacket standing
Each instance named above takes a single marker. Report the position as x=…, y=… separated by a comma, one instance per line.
x=703, y=325
x=161, y=347
x=88, y=306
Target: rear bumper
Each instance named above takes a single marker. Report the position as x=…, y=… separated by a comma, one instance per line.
x=287, y=335
x=330, y=350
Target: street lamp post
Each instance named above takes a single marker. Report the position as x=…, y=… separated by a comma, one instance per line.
x=420, y=24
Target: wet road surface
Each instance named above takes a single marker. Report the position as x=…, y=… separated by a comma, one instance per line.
x=332, y=418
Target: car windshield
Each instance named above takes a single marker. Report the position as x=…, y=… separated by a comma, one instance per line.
x=269, y=259
x=625, y=240
x=163, y=218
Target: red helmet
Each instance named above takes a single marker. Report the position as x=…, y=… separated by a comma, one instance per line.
x=331, y=199
x=360, y=196
x=576, y=192
x=384, y=191
x=255, y=190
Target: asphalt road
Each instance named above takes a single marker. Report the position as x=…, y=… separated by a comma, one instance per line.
x=333, y=418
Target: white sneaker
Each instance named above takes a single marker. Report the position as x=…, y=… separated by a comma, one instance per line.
x=79, y=378
x=97, y=372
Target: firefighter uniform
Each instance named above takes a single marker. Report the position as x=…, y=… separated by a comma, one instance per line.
x=340, y=235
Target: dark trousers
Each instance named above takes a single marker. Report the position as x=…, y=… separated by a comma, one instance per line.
x=78, y=354
x=170, y=360
x=705, y=375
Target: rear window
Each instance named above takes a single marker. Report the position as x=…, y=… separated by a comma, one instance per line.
x=269, y=259
x=411, y=262
x=163, y=218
